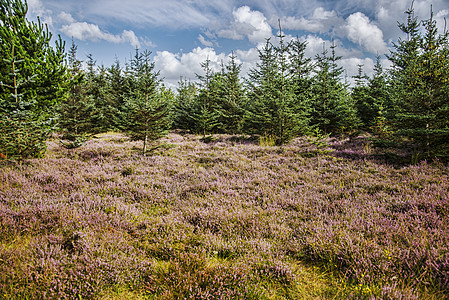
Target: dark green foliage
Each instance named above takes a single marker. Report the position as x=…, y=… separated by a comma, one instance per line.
x=95, y=101
x=232, y=97
x=147, y=113
x=206, y=114
x=103, y=111
x=332, y=108
x=33, y=81
x=379, y=97
x=300, y=70
x=216, y=105
x=116, y=93
x=73, y=111
x=363, y=103
x=420, y=75
x=276, y=107
x=184, y=106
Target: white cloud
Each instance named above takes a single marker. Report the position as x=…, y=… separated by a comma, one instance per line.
x=167, y=13
x=248, y=58
x=247, y=23
x=320, y=21
x=130, y=37
x=362, y=31
x=315, y=45
x=350, y=65
x=204, y=42
x=37, y=9
x=187, y=65
x=66, y=18
x=147, y=42
x=389, y=12
x=441, y=19
x=84, y=31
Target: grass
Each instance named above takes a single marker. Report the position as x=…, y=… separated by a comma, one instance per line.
x=230, y=218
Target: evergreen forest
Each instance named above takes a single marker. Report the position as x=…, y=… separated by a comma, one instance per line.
x=44, y=89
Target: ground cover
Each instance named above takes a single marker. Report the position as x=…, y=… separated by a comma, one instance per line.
x=222, y=219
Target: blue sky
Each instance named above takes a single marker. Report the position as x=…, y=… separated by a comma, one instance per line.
x=182, y=34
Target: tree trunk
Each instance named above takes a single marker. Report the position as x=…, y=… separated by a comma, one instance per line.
x=145, y=141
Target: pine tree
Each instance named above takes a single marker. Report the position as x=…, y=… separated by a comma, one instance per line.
x=116, y=93
x=379, y=96
x=103, y=110
x=301, y=81
x=184, y=107
x=232, y=97
x=206, y=114
x=274, y=110
x=364, y=104
x=420, y=77
x=332, y=109
x=73, y=112
x=147, y=112
x=260, y=112
x=33, y=81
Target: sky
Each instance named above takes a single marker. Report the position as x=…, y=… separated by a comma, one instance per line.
x=182, y=34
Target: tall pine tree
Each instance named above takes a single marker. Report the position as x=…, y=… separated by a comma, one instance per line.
x=232, y=98
x=33, y=81
x=420, y=76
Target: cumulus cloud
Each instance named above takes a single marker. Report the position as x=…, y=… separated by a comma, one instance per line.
x=187, y=65
x=389, y=12
x=362, y=31
x=351, y=67
x=85, y=31
x=247, y=24
x=248, y=58
x=128, y=36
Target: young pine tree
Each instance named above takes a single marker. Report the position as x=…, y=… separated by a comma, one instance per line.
x=147, y=113
x=116, y=93
x=300, y=69
x=366, y=110
x=332, y=109
x=379, y=96
x=73, y=111
x=274, y=110
x=184, y=106
x=232, y=97
x=206, y=114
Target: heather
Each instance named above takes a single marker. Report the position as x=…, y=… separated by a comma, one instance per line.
x=226, y=219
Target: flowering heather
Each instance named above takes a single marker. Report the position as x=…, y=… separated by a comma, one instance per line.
x=229, y=219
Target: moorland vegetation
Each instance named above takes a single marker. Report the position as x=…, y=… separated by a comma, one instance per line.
x=287, y=184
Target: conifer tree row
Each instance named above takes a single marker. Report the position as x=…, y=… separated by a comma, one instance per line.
x=286, y=95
